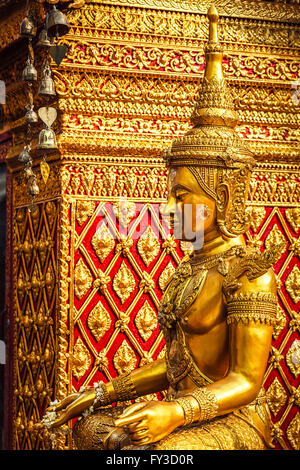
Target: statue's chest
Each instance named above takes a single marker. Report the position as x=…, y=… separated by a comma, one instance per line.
x=190, y=299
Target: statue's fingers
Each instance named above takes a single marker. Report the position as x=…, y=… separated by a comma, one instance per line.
x=140, y=426
x=132, y=409
x=64, y=403
x=142, y=434
x=142, y=441
x=132, y=418
x=64, y=418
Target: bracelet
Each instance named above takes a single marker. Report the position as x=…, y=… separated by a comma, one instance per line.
x=102, y=394
x=207, y=402
x=124, y=387
x=190, y=409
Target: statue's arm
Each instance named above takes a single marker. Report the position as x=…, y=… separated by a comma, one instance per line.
x=251, y=315
x=150, y=378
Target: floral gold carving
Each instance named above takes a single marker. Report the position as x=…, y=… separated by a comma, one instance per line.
x=169, y=244
x=280, y=322
x=147, y=282
x=81, y=359
x=295, y=321
x=99, y=321
x=124, y=282
x=102, y=242
x=292, y=284
x=124, y=359
x=293, y=358
x=293, y=216
x=257, y=215
x=84, y=210
x=82, y=279
x=101, y=281
x=293, y=432
x=275, y=237
x=148, y=246
x=233, y=8
x=168, y=60
x=276, y=396
x=166, y=275
x=146, y=321
x=124, y=210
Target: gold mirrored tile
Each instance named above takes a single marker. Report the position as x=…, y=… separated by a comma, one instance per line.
x=82, y=279
x=124, y=282
x=99, y=321
x=148, y=246
x=102, y=242
x=146, y=321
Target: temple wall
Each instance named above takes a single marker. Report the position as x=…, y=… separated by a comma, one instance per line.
x=82, y=307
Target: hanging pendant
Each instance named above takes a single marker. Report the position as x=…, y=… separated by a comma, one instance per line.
x=58, y=53
x=45, y=170
x=47, y=115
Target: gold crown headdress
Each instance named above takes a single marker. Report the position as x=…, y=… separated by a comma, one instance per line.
x=212, y=141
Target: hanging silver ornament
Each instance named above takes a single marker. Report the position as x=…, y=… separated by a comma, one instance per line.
x=29, y=73
x=31, y=116
x=24, y=156
x=47, y=87
x=28, y=27
x=44, y=40
x=33, y=188
x=57, y=24
x=47, y=139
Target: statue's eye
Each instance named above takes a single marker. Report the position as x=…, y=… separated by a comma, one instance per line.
x=180, y=195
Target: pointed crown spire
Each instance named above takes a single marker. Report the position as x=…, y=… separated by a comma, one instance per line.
x=214, y=104
x=213, y=140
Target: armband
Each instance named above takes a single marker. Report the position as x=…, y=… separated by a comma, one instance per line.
x=246, y=307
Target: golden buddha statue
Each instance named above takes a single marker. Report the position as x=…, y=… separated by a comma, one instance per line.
x=217, y=312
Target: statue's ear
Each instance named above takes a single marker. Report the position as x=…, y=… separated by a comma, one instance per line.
x=223, y=196
x=223, y=199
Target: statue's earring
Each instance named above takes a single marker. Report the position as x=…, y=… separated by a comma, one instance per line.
x=203, y=212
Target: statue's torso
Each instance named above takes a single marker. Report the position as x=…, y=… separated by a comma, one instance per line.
x=193, y=318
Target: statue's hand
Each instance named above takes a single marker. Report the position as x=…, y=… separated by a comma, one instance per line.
x=71, y=406
x=149, y=422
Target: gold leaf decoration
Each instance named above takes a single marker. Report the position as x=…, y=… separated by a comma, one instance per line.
x=293, y=358
x=124, y=282
x=292, y=284
x=82, y=279
x=148, y=246
x=102, y=242
x=166, y=275
x=275, y=237
x=257, y=215
x=162, y=353
x=99, y=321
x=124, y=211
x=280, y=322
x=187, y=248
x=81, y=359
x=293, y=216
x=146, y=321
x=293, y=432
x=124, y=359
x=149, y=397
x=276, y=396
x=84, y=210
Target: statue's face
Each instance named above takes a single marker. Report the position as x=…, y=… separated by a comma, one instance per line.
x=192, y=211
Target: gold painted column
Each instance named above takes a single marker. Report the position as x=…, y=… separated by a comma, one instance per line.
x=86, y=281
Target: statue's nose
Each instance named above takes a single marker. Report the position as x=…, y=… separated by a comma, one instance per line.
x=169, y=208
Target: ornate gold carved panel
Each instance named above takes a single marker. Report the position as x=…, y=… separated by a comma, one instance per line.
x=85, y=305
